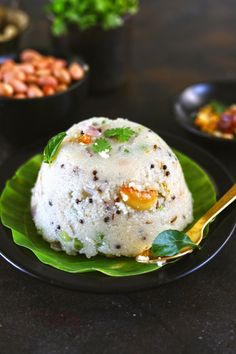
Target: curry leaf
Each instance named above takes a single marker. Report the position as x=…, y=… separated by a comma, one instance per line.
x=52, y=147
x=171, y=242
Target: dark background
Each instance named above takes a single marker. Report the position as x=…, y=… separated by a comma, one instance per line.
x=175, y=43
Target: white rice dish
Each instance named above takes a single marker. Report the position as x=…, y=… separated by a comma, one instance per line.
x=113, y=202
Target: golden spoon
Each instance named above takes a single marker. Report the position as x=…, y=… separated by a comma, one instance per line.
x=196, y=232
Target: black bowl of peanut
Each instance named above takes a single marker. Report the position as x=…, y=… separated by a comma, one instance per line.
x=40, y=95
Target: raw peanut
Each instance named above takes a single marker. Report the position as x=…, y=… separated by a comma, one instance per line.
x=8, y=76
x=59, y=63
x=6, y=90
x=20, y=96
x=34, y=91
x=26, y=68
x=62, y=75
x=43, y=72
x=18, y=86
x=29, y=55
x=40, y=65
x=48, y=90
x=37, y=75
x=44, y=63
x=7, y=65
x=76, y=71
x=20, y=75
x=50, y=61
x=14, y=74
x=47, y=81
x=61, y=88
x=31, y=79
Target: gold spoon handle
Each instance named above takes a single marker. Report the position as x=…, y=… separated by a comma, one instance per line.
x=196, y=232
x=220, y=205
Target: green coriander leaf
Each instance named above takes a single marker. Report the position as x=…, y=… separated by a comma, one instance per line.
x=101, y=145
x=112, y=21
x=59, y=26
x=217, y=106
x=121, y=134
x=171, y=242
x=58, y=6
x=85, y=14
x=52, y=147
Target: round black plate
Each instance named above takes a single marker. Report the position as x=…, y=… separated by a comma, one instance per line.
x=220, y=232
x=195, y=96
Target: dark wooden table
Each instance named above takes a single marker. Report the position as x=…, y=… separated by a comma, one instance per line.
x=175, y=44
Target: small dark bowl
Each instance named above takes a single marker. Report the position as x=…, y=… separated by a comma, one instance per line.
x=22, y=121
x=21, y=20
x=108, y=72
x=195, y=96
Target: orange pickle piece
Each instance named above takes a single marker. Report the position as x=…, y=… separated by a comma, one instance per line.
x=139, y=200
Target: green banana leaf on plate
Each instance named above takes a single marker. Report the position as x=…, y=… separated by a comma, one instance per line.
x=16, y=215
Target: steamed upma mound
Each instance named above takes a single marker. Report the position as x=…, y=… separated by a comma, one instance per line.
x=111, y=188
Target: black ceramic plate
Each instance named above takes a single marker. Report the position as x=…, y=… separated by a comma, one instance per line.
x=220, y=232
x=193, y=97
